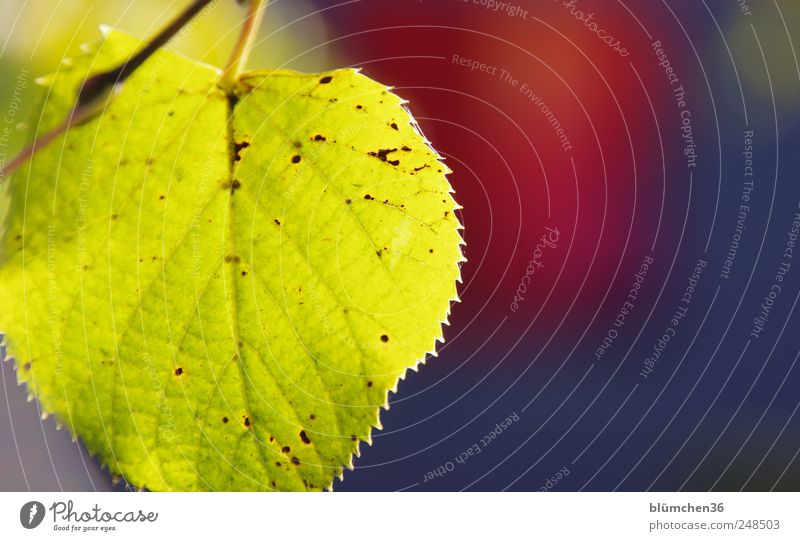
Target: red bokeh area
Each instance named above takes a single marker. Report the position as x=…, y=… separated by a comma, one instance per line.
x=544, y=125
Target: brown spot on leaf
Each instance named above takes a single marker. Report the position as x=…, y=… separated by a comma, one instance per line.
x=384, y=338
x=382, y=153
x=178, y=371
x=304, y=437
x=296, y=158
x=325, y=80
x=238, y=148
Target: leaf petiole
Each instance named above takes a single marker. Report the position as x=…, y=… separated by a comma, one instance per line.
x=244, y=45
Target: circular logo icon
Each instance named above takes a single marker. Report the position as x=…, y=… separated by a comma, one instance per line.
x=31, y=514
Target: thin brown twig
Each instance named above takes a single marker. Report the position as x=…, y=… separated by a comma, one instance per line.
x=100, y=85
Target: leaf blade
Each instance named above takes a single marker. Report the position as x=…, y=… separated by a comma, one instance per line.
x=296, y=251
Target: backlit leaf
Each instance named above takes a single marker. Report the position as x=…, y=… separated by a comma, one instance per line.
x=217, y=292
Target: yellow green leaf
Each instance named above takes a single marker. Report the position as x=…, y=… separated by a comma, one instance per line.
x=217, y=292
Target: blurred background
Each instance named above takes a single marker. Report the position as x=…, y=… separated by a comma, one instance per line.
x=655, y=147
